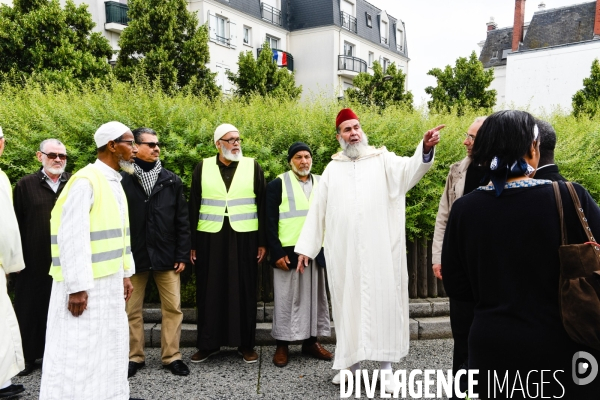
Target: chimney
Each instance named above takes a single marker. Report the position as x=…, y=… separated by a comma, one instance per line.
x=519, y=22
x=492, y=24
x=597, y=20
x=542, y=6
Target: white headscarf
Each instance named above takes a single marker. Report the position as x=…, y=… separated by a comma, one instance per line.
x=1, y=133
x=109, y=131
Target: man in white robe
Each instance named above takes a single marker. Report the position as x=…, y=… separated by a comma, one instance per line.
x=11, y=260
x=87, y=337
x=360, y=212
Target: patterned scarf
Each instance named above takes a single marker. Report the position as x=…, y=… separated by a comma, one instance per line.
x=148, y=178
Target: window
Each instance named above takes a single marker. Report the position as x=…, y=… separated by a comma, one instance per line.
x=221, y=78
x=221, y=30
x=384, y=32
x=495, y=54
x=386, y=64
x=247, y=35
x=369, y=20
x=271, y=11
x=348, y=49
x=347, y=7
x=273, y=42
x=347, y=85
x=400, y=40
x=371, y=59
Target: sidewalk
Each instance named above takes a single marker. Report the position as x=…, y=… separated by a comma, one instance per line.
x=226, y=376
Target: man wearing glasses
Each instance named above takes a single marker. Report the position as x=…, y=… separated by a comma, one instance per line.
x=160, y=243
x=463, y=178
x=34, y=198
x=227, y=216
x=87, y=334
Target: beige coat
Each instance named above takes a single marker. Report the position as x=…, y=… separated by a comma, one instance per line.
x=455, y=188
x=359, y=211
x=11, y=260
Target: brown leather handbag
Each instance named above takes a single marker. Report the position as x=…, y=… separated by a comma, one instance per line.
x=579, y=282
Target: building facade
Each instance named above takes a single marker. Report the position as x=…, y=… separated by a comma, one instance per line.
x=542, y=64
x=326, y=43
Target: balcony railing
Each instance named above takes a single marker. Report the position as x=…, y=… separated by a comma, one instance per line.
x=399, y=47
x=384, y=40
x=348, y=21
x=116, y=13
x=282, y=58
x=350, y=63
x=270, y=14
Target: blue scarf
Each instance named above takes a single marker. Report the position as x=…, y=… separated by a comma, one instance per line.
x=500, y=171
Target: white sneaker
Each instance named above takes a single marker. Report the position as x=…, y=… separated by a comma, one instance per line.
x=337, y=378
x=390, y=387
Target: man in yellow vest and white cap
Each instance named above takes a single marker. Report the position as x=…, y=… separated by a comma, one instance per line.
x=227, y=216
x=301, y=309
x=87, y=337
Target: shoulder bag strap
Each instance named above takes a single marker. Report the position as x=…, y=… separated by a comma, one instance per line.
x=582, y=218
x=559, y=207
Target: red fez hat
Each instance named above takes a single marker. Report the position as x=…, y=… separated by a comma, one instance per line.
x=345, y=115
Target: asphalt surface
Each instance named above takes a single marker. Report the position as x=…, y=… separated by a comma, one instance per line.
x=226, y=376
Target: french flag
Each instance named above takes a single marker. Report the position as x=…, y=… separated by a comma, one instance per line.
x=280, y=57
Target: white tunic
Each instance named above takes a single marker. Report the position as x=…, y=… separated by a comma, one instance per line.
x=86, y=357
x=360, y=211
x=11, y=260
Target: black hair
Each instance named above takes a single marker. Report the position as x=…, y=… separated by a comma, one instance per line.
x=547, y=142
x=507, y=134
x=137, y=133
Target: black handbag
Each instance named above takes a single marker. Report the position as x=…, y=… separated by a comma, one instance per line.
x=579, y=282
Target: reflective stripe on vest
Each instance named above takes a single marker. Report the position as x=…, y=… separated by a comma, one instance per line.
x=109, y=239
x=293, y=208
x=239, y=203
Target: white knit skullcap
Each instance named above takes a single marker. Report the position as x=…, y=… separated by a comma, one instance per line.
x=223, y=129
x=109, y=131
x=1, y=134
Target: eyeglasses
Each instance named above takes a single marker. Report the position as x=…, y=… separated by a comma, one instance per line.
x=52, y=156
x=232, y=141
x=131, y=142
x=151, y=144
x=469, y=137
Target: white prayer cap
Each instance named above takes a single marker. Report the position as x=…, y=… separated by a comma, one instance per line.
x=223, y=129
x=1, y=134
x=109, y=131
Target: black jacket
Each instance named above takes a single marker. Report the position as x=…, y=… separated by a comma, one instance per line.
x=160, y=230
x=276, y=251
x=549, y=172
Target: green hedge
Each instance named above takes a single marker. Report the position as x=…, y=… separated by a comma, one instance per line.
x=186, y=124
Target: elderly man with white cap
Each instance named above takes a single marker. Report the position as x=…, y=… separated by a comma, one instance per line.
x=87, y=336
x=227, y=214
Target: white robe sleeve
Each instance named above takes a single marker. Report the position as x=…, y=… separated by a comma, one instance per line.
x=403, y=173
x=74, y=238
x=11, y=253
x=313, y=232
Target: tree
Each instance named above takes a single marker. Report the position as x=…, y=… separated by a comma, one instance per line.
x=262, y=76
x=586, y=102
x=164, y=43
x=38, y=37
x=379, y=89
x=462, y=87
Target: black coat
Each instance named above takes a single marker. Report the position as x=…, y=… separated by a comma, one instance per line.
x=160, y=230
x=276, y=250
x=550, y=172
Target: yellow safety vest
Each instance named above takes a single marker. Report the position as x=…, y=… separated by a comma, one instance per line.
x=239, y=203
x=293, y=208
x=109, y=239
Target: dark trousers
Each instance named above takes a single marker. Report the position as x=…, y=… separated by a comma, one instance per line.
x=461, y=318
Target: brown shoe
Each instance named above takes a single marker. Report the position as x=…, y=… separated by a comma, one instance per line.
x=280, y=358
x=249, y=355
x=317, y=351
x=203, y=355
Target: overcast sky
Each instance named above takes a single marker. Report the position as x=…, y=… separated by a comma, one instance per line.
x=440, y=31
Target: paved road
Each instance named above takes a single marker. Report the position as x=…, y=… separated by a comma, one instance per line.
x=226, y=376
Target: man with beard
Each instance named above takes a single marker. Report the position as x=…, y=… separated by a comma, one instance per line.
x=87, y=339
x=11, y=260
x=160, y=243
x=301, y=310
x=34, y=199
x=359, y=213
x=227, y=210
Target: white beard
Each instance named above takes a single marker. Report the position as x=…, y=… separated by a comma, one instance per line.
x=228, y=155
x=354, y=151
x=127, y=166
x=56, y=171
x=299, y=172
